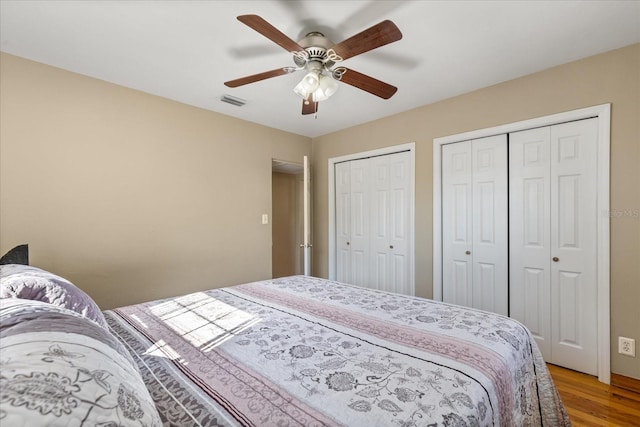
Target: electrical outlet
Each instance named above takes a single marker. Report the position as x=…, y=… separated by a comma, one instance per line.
x=627, y=346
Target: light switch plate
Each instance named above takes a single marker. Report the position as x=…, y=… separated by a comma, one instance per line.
x=265, y=219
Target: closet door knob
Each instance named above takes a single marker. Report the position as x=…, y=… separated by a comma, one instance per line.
x=390, y=246
x=468, y=252
x=555, y=259
x=347, y=243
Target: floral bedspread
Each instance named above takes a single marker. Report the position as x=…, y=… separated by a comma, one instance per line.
x=307, y=351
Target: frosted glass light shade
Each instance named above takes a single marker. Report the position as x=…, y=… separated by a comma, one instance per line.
x=327, y=87
x=308, y=84
x=300, y=90
x=316, y=86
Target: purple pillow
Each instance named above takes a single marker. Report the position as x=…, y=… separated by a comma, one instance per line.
x=32, y=283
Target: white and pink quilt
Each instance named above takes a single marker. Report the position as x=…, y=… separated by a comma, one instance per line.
x=303, y=351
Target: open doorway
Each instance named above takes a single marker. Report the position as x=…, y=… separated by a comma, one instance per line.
x=287, y=181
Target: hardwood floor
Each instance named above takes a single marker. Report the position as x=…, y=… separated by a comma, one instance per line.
x=592, y=403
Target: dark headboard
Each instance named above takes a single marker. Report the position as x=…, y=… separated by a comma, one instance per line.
x=17, y=255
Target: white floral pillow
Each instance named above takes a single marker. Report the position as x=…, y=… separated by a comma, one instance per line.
x=62, y=371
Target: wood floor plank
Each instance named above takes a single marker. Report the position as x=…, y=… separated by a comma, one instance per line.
x=592, y=403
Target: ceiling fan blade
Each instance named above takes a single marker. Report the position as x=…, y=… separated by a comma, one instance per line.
x=379, y=35
x=368, y=84
x=257, y=77
x=309, y=107
x=270, y=32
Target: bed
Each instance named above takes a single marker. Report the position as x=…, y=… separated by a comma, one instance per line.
x=306, y=351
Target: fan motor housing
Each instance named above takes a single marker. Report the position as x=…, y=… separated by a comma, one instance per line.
x=316, y=46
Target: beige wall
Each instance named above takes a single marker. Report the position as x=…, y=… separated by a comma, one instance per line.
x=612, y=77
x=131, y=196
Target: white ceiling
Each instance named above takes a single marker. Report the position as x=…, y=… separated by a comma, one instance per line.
x=186, y=50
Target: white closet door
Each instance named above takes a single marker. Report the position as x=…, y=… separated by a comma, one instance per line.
x=373, y=229
x=475, y=224
x=553, y=240
x=343, y=221
x=573, y=237
x=360, y=222
x=457, y=190
x=400, y=193
x=490, y=251
x=380, y=211
x=390, y=222
x=530, y=233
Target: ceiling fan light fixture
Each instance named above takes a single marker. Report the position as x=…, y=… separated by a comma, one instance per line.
x=317, y=55
x=316, y=86
x=327, y=87
x=308, y=84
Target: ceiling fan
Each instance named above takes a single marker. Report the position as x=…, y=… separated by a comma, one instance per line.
x=319, y=56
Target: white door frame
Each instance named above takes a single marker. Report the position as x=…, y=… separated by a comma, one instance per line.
x=603, y=113
x=306, y=217
x=411, y=147
x=302, y=207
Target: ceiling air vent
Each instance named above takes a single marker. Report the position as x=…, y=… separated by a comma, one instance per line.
x=238, y=102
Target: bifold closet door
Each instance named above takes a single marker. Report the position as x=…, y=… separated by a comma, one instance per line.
x=553, y=240
x=353, y=203
x=343, y=221
x=389, y=236
x=373, y=222
x=475, y=224
x=359, y=239
x=457, y=198
x=530, y=232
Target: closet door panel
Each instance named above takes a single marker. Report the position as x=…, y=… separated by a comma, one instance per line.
x=379, y=271
x=490, y=224
x=529, y=234
x=343, y=221
x=568, y=295
x=459, y=283
x=573, y=270
x=399, y=274
x=360, y=200
x=457, y=193
x=534, y=215
x=534, y=294
x=486, y=288
x=399, y=246
x=380, y=232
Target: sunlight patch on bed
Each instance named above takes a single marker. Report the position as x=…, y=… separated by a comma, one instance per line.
x=203, y=320
x=164, y=350
x=139, y=320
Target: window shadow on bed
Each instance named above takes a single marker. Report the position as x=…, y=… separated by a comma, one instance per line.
x=200, y=319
